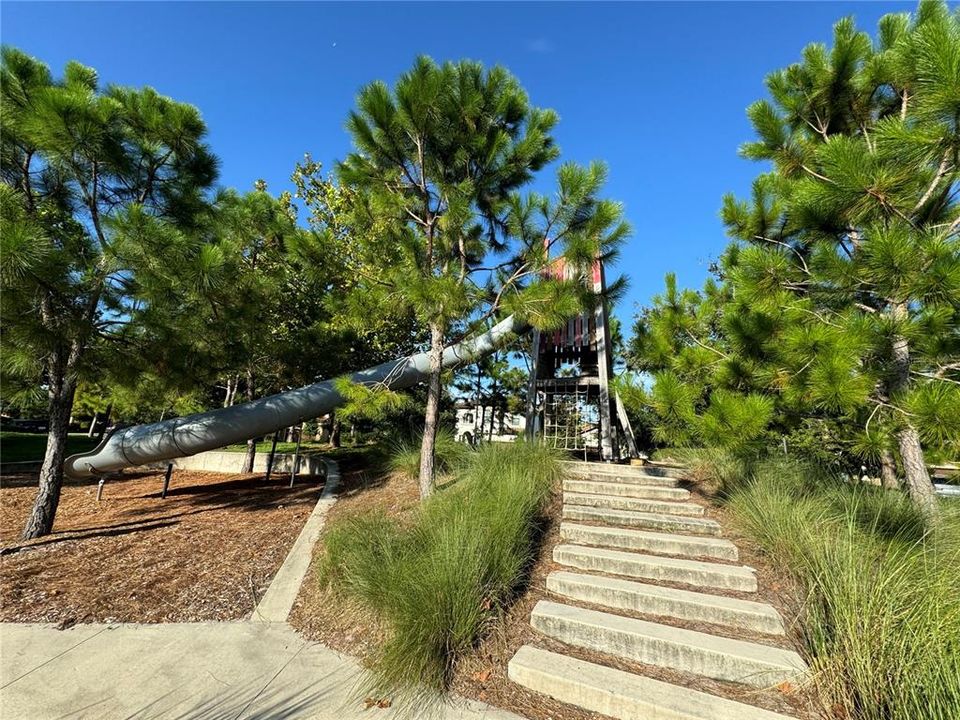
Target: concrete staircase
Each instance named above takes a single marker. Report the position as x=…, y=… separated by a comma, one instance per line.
x=643, y=560
x=632, y=518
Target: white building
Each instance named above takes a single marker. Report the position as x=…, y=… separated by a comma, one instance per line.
x=476, y=422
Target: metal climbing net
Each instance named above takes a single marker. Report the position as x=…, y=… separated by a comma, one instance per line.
x=571, y=420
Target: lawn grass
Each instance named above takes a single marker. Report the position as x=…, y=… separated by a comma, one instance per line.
x=438, y=581
x=28, y=447
x=881, y=618
x=263, y=446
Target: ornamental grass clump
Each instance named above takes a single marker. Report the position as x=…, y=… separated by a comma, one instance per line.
x=881, y=613
x=437, y=582
x=450, y=455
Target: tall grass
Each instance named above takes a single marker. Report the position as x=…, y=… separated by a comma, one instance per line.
x=881, y=618
x=716, y=470
x=436, y=582
x=451, y=455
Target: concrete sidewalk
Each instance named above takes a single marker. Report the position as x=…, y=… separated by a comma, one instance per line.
x=188, y=671
x=256, y=669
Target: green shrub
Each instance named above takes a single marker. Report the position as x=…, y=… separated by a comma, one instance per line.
x=715, y=469
x=437, y=581
x=450, y=454
x=881, y=620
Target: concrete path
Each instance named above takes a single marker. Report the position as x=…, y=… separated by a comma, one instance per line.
x=278, y=600
x=257, y=669
x=184, y=671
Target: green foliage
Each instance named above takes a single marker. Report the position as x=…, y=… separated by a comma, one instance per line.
x=101, y=190
x=436, y=158
x=881, y=620
x=716, y=470
x=428, y=218
x=837, y=301
x=936, y=407
x=735, y=421
x=368, y=401
x=103, y=193
x=451, y=455
x=439, y=581
x=672, y=400
x=493, y=382
x=150, y=398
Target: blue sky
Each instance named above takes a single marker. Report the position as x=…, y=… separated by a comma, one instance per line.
x=657, y=90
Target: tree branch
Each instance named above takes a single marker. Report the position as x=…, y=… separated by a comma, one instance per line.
x=704, y=346
x=938, y=176
x=817, y=175
x=934, y=376
x=788, y=247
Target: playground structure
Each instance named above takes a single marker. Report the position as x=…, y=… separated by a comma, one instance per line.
x=570, y=404
x=572, y=413
x=180, y=437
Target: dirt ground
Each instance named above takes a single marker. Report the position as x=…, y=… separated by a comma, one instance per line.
x=206, y=552
x=483, y=675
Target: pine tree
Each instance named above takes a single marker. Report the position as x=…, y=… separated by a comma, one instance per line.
x=250, y=235
x=840, y=297
x=433, y=191
x=862, y=221
x=98, y=184
x=707, y=385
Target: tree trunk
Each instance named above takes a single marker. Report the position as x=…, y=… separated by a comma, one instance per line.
x=61, y=392
x=104, y=422
x=432, y=415
x=334, y=430
x=888, y=471
x=494, y=406
x=915, y=472
x=479, y=407
x=251, y=453
x=93, y=425
x=231, y=393
x=61, y=389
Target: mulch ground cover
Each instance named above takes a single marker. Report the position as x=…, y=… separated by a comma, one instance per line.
x=205, y=552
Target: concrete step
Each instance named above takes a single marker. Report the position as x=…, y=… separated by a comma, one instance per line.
x=614, y=502
x=651, y=643
x=674, y=471
x=630, y=518
x=667, y=601
x=620, y=694
x=601, y=467
x=621, y=469
x=665, y=543
x=625, y=490
x=655, y=567
x=648, y=480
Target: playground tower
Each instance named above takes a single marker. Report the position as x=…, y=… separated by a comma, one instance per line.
x=570, y=404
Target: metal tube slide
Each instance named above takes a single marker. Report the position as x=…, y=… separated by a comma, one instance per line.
x=192, y=434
